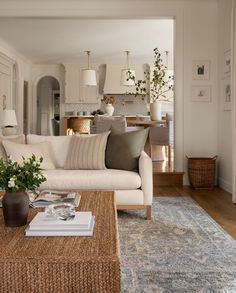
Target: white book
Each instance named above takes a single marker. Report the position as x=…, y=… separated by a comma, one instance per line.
x=88, y=232
x=81, y=221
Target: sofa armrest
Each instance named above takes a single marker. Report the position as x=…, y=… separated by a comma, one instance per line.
x=145, y=171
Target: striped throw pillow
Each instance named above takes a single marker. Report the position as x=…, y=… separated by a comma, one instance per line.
x=87, y=152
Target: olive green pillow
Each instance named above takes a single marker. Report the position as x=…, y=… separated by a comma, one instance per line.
x=123, y=149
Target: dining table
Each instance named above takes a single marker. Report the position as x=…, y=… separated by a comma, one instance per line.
x=145, y=123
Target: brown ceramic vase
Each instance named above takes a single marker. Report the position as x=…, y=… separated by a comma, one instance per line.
x=15, y=208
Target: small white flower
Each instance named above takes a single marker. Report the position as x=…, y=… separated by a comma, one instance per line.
x=26, y=160
x=11, y=183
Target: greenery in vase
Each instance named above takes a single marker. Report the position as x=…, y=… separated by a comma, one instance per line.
x=109, y=100
x=26, y=175
x=155, y=85
x=97, y=112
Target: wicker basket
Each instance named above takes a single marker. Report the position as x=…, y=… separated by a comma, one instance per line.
x=201, y=172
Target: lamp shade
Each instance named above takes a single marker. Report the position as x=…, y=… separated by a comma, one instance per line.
x=89, y=77
x=9, y=118
x=125, y=77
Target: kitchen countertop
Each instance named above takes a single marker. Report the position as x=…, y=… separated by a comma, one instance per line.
x=81, y=116
x=91, y=116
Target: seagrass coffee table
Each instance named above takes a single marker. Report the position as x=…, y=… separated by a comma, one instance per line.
x=64, y=264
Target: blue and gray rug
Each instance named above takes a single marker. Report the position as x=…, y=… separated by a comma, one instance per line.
x=182, y=250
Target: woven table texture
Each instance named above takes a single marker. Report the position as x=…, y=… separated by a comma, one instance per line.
x=64, y=264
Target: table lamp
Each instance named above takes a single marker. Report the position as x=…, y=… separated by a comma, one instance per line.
x=9, y=122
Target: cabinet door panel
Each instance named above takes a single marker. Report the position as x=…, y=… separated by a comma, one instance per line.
x=71, y=83
x=88, y=94
x=5, y=89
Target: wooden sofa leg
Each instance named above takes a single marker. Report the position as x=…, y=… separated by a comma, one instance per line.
x=149, y=212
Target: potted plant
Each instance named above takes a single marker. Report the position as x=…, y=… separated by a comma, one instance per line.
x=109, y=101
x=155, y=85
x=16, y=178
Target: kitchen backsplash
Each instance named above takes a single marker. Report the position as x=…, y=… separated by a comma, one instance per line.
x=124, y=105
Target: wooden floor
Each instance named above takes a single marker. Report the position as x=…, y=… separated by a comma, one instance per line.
x=217, y=203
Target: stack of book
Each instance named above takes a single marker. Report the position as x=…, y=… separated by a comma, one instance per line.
x=42, y=225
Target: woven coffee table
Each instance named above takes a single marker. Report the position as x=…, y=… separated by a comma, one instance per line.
x=64, y=264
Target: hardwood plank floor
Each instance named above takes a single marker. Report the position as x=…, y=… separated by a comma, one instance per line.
x=216, y=202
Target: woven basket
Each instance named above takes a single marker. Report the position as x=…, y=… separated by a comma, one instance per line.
x=201, y=172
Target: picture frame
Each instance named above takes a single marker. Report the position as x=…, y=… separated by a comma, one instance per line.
x=201, y=69
x=201, y=93
x=227, y=62
x=226, y=94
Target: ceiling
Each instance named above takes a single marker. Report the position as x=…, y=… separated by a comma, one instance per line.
x=61, y=40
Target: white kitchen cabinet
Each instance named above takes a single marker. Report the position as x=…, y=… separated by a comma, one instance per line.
x=75, y=91
x=6, y=83
x=71, y=83
x=88, y=94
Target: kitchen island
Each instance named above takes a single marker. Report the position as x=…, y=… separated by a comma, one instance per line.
x=81, y=124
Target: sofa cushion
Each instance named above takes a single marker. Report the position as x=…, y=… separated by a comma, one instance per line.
x=87, y=152
x=124, y=149
x=17, y=151
x=60, y=179
x=14, y=138
x=59, y=146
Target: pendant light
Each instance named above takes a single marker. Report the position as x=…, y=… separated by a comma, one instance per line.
x=127, y=73
x=89, y=75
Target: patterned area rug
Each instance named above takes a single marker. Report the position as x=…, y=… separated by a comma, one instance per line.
x=181, y=250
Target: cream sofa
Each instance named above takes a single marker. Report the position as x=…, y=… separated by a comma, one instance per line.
x=132, y=190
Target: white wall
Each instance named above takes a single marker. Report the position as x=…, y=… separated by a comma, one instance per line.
x=22, y=72
x=200, y=43
x=196, y=39
x=224, y=117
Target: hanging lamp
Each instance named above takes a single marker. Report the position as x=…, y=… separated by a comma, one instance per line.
x=127, y=74
x=89, y=75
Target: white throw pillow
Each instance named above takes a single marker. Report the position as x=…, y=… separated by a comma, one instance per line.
x=87, y=152
x=59, y=146
x=17, y=151
x=15, y=138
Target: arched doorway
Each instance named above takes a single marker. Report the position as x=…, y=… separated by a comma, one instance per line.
x=48, y=106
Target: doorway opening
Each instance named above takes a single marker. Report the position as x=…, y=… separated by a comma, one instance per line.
x=48, y=106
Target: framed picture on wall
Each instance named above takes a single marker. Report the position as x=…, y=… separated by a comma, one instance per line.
x=227, y=62
x=201, y=93
x=226, y=94
x=201, y=69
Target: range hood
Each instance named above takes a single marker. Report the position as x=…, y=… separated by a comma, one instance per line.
x=112, y=83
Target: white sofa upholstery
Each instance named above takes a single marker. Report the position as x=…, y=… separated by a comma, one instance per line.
x=132, y=189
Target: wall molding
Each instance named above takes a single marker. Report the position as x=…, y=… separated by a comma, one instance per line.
x=226, y=185
x=6, y=59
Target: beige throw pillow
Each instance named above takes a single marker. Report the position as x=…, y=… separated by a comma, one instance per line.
x=87, y=153
x=14, y=138
x=17, y=151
